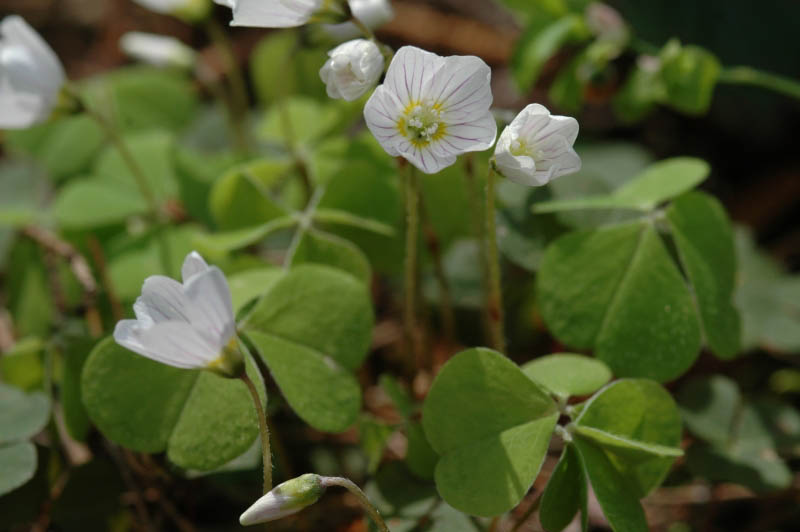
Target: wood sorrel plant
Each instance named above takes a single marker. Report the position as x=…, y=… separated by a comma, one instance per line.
x=298, y=208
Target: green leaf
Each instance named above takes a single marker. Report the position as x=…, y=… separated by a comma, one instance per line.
x=538, y=44
x=704, y=240
x=491, y=425
x=373, y=434
x=660, y=182
x=89, y=203
x=636, y=422
x=21, y=366
x=153, y=151
x=142, y=98
x=566, y=374
x=617, y=497
x=640, y=93
x=17, y=465
x=298, y=65
x=316, y=247
x=744, y=437
x=321, y=391
x=65, y=147
x=565, y=492
x=690, y=76
x=420, y=456
x=310, y=120
x=767, y=299
x=217, y=245
x=241, y=198
x=201, y=419
x=339, y=217
x=251, y=284
x=23, y=415
x=313, y=328
x=632, y=306
x=567, y=90
x=76, y=352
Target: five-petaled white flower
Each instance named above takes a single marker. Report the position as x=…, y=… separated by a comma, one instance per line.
x=281, y=13
x=537, y=147
x=189, y=325
x=285, y=499
x=353, y=69
x=372, y=13
x=191, y=10
x=431, y=109
x=157, y=50
x=31, y=76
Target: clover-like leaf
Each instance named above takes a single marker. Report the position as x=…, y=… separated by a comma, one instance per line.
x=636, y=421
x=21, y=417
x=632, y=306
x=491, y=425
x=313, y=328
x=567, y=374
x=704, y=239
x=202, y=420
x=658, y=183
x=565, y=493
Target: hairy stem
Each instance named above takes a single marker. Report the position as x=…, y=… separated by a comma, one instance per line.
x=494, y=302
x=445, y=297
x=411, y=262
x=744, y=75
x=350, y=486
x=266, y=454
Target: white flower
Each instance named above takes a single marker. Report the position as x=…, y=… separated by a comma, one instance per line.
x=31, y=76
x=189, y=325
x=431, y=109
x=537, y=147
x=285, y=499
x=186, y=9
x=353, y=69
x=280, y=13
x=372, y=13
x=157, y=50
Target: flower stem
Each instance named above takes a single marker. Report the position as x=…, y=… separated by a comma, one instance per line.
x=266, y=455
x=478, y=228
x=744, y=75
x=361, y=496
x=410, y=267
x=445, y=297
x=141, y=182
x=494, y=302
x=238, y=102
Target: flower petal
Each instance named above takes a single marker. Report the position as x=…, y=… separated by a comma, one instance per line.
x=163, y=300
x=382, y=113
x=273, y=13
x=173, y=343
x=476, y=135
x=462, y=87
x=192, y=265
x=210, y=299
x=410, y=72
x=15, y=30
x=425, y=158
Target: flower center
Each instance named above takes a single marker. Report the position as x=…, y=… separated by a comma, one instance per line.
x=421, y=123
x=520, y=148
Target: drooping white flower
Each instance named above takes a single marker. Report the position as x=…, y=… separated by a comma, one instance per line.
x=430, y=109
x=157, y=50
x=31, y=76
x=281, y=13
x=285, y=499
x=187, y=325
x=191, y=10
x=372, y=13
x=537, y=147
x=353, y=69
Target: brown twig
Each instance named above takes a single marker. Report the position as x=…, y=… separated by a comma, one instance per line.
x=80, y=269
x=100, y=261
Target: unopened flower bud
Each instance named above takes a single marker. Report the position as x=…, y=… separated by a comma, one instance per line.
x=372, y=13
x=285, y=499
x=352, y=70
